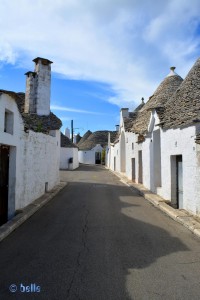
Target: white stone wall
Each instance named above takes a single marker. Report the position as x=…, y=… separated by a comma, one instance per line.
x=88, y=157
x=39, y=166
x=12, y=140
x=65, y=154
x=157, y=154
x=115, y=154
x=34, y=159
x=181, y=142
x=197, y=190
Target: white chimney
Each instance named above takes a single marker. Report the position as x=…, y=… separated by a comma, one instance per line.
x=67, y=132
x=30, y=103
x=38, y=85
x=123, y=114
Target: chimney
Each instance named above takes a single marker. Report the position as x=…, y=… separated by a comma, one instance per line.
x=117, y=127
x=142, y=100
x=124, y=112
x=38, y=84
x=30, y=104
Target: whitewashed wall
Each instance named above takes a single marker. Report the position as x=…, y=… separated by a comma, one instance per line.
x=12, y=140
x=197, y=190
x=115, y=153
x=34, y=159
x=39, y=164
x=88, y=157
x=65, y=154
x=180, y=142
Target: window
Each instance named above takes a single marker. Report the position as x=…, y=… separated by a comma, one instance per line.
x=132, y=146
x=8, y=121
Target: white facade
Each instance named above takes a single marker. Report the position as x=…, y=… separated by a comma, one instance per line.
x=88, y=156
x=153, y=161
x=33, y=159
x=31, y=142
x=65, y=155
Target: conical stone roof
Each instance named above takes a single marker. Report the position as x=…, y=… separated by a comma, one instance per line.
x=183, y=108
x=97, y=137
x=85, y=136
x=128, y=122
x=65, y=142
x=162, y=94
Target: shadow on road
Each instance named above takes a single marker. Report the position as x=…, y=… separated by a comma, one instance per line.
x=86, y=241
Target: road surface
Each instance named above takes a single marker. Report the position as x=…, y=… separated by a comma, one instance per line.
x=99, y=240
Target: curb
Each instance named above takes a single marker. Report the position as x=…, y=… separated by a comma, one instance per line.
x=29, y=210
x=179, y=215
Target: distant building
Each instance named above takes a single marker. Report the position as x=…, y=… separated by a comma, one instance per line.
x=68, y=154
x=29, y=142
x=92, y=145
x=67, y=132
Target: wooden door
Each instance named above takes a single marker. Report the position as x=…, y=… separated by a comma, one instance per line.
x=4, y=171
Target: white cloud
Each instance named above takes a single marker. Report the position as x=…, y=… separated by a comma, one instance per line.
x=82, y=111
x=129, y=44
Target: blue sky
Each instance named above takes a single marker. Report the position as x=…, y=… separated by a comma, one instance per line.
x=107, y=54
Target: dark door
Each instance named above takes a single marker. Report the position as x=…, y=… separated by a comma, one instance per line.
x=133, y=169
x=97, y=157
x=179, y=172
x=140, y=171
x=4, y=169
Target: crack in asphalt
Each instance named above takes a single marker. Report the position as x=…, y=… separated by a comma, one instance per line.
x=83, y=248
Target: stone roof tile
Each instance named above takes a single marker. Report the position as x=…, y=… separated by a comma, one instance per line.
x=183, y=108
x=33, y=121
x=97, y=137
x=65, y=142
x=85, y=136
x=162, y=94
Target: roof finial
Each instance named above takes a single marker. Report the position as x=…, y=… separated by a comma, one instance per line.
x=172, y=73
x=142, y=100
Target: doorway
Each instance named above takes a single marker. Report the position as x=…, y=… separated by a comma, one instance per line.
x=179, y=178
x=4, y=174
x=140, y=172
x=177, y=181
x=133, y=168
x=98, y=158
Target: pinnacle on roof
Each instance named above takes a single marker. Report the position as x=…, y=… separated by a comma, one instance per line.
x=162, y=94
x=183, y=108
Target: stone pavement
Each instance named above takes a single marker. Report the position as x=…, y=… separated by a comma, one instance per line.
x=182, y=216
x=28, y=211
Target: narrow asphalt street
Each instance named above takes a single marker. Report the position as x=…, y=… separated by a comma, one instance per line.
x=99, y=240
